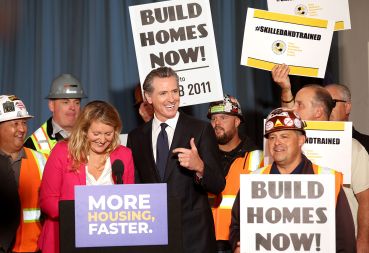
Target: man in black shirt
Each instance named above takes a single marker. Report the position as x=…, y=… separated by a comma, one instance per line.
x=239, y=156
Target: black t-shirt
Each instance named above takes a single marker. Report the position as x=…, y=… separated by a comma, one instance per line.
x=246, y=145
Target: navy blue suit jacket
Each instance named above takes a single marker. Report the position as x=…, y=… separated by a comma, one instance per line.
x=197, y=221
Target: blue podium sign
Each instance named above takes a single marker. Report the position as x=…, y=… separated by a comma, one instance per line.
x=121, y=215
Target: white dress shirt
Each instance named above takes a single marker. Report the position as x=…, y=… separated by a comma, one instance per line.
x=156, y=128
x=58, y=129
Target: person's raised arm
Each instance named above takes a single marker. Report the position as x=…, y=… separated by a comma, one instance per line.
x=280, y=77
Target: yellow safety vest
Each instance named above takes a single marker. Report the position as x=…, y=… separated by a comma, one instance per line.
x=42, y=141
x=317, y=170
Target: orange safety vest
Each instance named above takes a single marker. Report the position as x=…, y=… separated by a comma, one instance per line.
x=317, y=170
x=222, y=212
x=29, y=184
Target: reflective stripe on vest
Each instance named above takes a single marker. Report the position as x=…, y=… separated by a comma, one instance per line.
x=227, y=201
x=222, y=214
x=42, y=141
x=317, y=170
x=338, y=177
x=256, y=160
x=263, y=170
x=31, y=215
x=242, y=165
x=40, y=159
x=29, y=228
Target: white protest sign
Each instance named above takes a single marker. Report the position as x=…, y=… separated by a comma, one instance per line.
x=123, y=139
x=287, y=213
x=324, y=9
x=180, y=35
x=328, y=144
x=274, y=38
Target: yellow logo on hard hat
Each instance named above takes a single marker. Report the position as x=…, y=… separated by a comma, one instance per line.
x=278, y=123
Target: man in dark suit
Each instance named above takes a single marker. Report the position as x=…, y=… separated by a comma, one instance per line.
x=191, y=165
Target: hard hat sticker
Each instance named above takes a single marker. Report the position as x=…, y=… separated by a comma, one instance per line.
x=278, y=123
x=8, y=107
x=288, y=122
x=269, y=125
x=19, y=104
x=298, y=123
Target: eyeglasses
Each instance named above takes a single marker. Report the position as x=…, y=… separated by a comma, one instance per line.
x=339, y=100
x=335, y=101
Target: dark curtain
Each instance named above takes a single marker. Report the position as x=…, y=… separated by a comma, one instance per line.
x=92, y=39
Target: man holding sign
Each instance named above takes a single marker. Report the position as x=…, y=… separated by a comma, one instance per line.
x=314, y=103
x=285, y=133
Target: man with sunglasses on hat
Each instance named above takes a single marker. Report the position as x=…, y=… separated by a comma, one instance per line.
x=312, y=103
x=285, y=132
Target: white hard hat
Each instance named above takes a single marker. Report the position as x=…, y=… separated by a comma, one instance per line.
x=12, y=108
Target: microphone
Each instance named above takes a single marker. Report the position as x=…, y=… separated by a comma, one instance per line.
x=118, y=170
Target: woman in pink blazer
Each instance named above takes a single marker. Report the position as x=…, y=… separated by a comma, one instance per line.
x=84, y=159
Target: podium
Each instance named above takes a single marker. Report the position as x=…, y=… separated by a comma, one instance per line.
x=67, y=234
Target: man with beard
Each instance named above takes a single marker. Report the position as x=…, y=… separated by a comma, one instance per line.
x=239, y=156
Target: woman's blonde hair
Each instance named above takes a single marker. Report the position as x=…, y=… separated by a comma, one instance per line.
x=100, y=111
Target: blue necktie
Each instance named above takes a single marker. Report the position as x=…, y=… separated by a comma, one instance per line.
x=162, y=150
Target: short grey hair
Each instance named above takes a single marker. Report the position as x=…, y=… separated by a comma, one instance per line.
x=343, y=90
